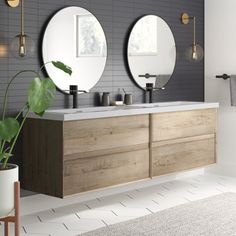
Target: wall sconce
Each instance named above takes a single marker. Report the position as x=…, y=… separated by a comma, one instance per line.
x=196, y=52
x=22, y=45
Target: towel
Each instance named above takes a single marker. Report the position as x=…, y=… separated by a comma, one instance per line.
x=233, y=90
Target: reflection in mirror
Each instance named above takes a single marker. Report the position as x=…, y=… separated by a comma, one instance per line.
x=75, y=37
x=151, y=52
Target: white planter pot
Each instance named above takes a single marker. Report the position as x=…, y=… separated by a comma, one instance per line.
x=7, y=179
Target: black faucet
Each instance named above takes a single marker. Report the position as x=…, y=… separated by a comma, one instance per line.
x=74, y=92
x=150, y=89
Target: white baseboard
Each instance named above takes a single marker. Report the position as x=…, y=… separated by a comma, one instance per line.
x=224, y=168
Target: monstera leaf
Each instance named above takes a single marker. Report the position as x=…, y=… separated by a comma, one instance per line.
x=8, y=129
x=62, y=67
x=40, y=95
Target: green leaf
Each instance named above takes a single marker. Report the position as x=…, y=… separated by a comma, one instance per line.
x=62, y=67
x=5, y=155
x=8, y=129
x=40, y=113
x=40, y=95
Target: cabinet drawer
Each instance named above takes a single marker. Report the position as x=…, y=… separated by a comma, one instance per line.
x=106, y=133
x=86, y=174
x=182, y=155
x=173, y=125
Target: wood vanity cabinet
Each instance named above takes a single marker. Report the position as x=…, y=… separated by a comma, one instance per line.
x=182, y=140
x=62, y=158
x=65, y=158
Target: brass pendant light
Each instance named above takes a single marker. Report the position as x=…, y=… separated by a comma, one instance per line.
x=22, y=45
x=196, y=52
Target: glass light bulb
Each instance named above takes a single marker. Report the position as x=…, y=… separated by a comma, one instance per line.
x=3, y=50
x=22, y=46
x=22, y=51
x=195, y=53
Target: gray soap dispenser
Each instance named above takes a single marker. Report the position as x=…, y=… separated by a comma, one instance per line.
x=106, y=99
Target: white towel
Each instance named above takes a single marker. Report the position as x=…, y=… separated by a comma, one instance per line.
x=233, y=90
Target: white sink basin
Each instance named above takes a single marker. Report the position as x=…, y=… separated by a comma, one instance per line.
x=118, y=108
x=92, y=109
x=115, y=111
x=165, y=104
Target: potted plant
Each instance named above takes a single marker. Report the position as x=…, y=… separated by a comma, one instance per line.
x=41, y=93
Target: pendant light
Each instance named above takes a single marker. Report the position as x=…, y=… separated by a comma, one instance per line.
x=22, y=45
x=195, y=53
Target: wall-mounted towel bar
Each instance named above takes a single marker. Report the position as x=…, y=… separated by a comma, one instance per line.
x=224, y=76
x=232, y=83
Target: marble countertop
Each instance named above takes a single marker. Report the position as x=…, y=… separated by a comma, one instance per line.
x=114, y=111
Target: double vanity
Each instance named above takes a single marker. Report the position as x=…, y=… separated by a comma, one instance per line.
x=70, y=151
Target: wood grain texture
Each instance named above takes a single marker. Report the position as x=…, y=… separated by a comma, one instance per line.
x=183, y=140
x=179, y=156
x=92, y=173
x=106, y=133
x=43, y=156
x=109, y=151
x=174, y=125
x=64, y=158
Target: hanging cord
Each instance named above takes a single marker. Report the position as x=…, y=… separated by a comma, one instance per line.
x=194, y=30
x=22, y=18
x=22, y=48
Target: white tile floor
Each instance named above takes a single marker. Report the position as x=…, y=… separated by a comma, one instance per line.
x=70, y=216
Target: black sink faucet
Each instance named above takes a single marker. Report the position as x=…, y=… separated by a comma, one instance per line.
x=74, y=92
x=150, y=89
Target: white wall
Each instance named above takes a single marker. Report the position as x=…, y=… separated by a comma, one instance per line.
x=220, y=57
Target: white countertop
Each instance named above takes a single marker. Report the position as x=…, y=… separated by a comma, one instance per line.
x=113, y=111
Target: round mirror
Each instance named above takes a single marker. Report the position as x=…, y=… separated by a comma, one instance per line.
x=151, y=52
x=75, y=37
